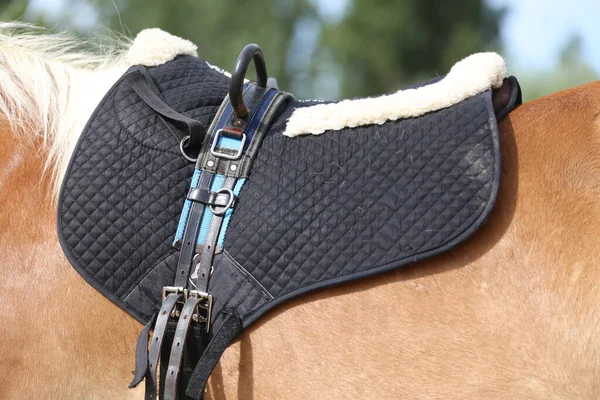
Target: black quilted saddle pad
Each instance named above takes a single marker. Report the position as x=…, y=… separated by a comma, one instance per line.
x=316, y=210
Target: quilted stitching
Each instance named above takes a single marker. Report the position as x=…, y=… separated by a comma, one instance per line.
x=125, y=188
x=314, y=209
x=328, y=206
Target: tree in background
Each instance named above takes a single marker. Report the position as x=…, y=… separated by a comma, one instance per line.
x=12, y=9
x=381, y=45
x=318, y=49
x=220, y=28
x=373, y=46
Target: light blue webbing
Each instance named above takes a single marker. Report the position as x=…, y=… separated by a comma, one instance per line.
x=217, y=183
x=186, y=208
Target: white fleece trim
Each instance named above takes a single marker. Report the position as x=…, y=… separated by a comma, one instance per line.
x=153, y=47
x=473, y=75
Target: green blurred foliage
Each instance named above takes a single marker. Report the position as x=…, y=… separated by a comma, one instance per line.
x=12, y=9
x=377, y=46
x=369, y=47
x=220, y=28
x=385, y=44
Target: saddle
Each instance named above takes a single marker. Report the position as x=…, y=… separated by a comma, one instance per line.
x=197, y=202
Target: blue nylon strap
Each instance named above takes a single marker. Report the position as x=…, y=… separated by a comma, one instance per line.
x=186, y=208
x=217, y=183
x=236, y=190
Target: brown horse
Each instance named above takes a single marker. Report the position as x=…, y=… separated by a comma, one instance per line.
x=512, y=313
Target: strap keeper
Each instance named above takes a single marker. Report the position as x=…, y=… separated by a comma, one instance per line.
x=199, y=195
x=221, y=198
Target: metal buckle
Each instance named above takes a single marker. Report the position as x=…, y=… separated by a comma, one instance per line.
x=213, y=147
x=205, y=304
x=167, y=290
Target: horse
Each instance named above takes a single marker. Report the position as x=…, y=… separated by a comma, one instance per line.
x=510, y=313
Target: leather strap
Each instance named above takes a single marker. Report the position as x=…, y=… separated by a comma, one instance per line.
x=157, y=341
x=205, y=260
x=188, y=245
x=515, y=99
x=141, y=353
x=201, y=284
x=183, y=326
x=231, y=327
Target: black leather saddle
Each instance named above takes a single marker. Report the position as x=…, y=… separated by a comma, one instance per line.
x=266, y=217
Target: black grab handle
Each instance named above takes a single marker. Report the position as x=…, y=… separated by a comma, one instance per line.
x=250, y=52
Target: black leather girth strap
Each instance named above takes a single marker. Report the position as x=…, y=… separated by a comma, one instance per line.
x=157, y=342
x=141, y=353
x=231, y=327
x=183, y=326
x=196, y=297
x=204, y=263
x=190, y=237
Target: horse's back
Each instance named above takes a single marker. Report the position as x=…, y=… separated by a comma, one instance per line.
x=511, y=313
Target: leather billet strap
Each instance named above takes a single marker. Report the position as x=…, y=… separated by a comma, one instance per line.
x=192, y=229
x=156, y=342
x=199, y=303
x=141, y=352
x=204, y=263
x=221, y=150
x=181, y=332
x=223, y=165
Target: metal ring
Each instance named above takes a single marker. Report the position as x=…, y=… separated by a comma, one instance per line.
x=250, y=52
x=229, y=203
x=184, y=142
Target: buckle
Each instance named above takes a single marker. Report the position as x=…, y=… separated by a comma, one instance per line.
x=213, y=147
x=167, y=290
x=202, y=311
x=204, y=306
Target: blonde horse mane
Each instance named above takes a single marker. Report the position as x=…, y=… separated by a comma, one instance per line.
x=50, y=84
